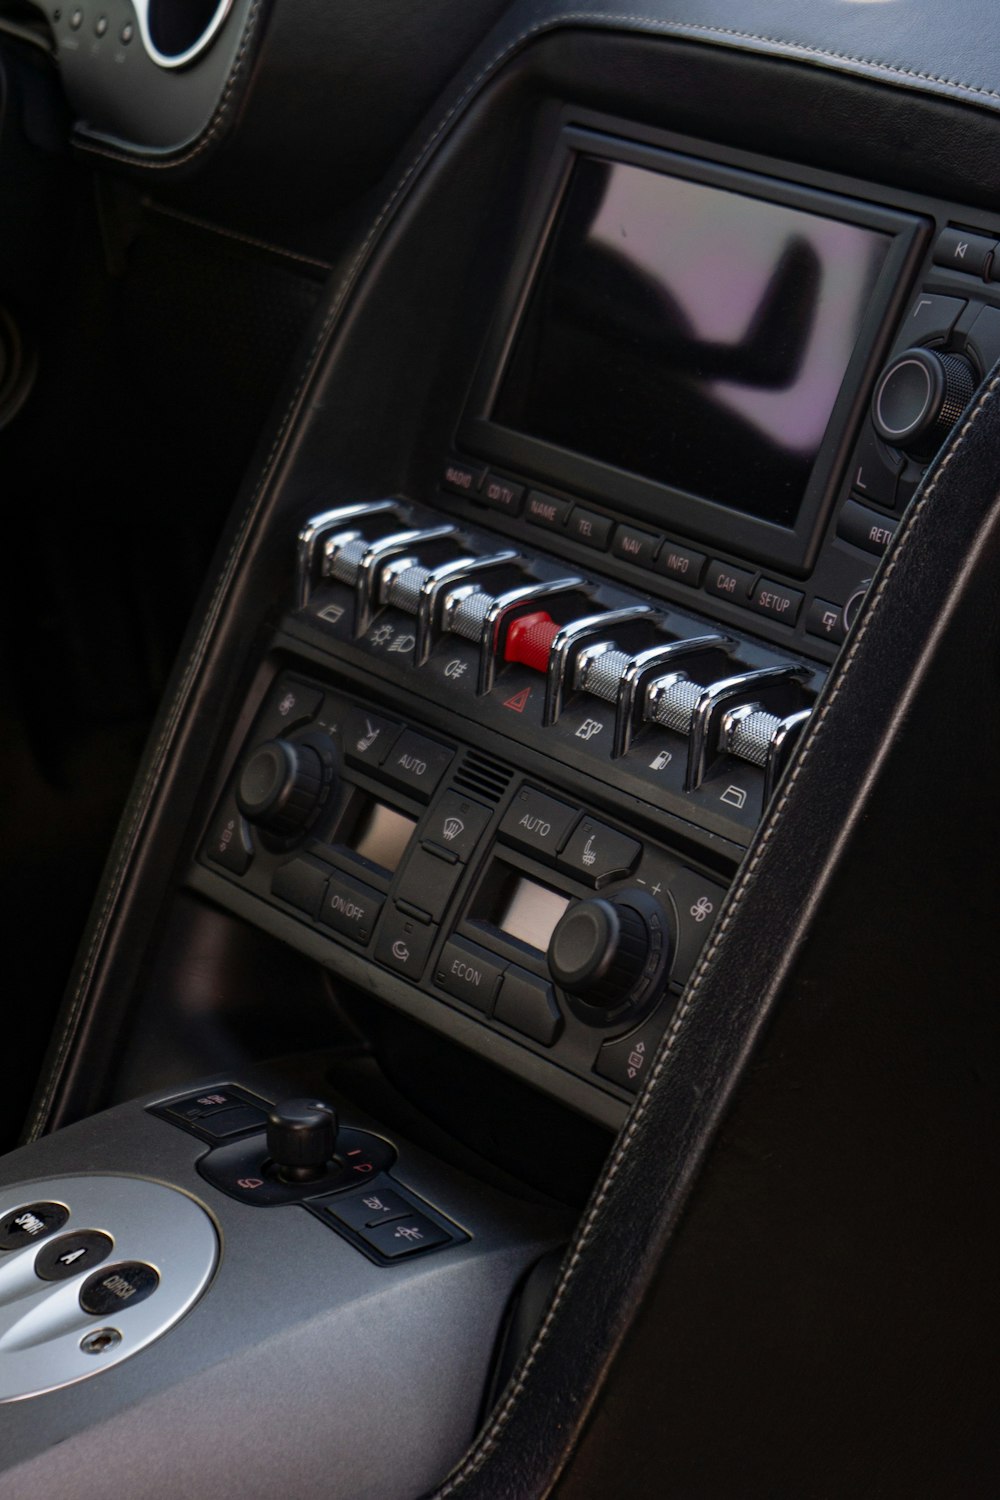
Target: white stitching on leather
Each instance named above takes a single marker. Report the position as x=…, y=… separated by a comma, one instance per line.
x=487, y=1443
x=233, y=234
x=602, y=19
x=135, y=157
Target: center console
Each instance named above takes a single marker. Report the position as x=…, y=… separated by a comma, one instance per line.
x=512, y=737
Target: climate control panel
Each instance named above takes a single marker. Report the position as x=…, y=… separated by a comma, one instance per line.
x=481, y=892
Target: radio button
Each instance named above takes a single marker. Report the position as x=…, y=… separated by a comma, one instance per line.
x=537, y=822
x=417, y=763
x=727, y=582
x=351, y=908
x=462, y=478
x=588, y=527
x=456, y=824
x=404, y=944
x=469, y=973
x=546, y=510
x=635, y=546
x=503, y=494
x=776, y=600
x=864, y=528
x=681, y=564
x=528, y=1005
x=427, y=882
x=367, y=737
x=597, y=853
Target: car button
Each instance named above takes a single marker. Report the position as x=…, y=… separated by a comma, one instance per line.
x=537, y=822
x=727, y=582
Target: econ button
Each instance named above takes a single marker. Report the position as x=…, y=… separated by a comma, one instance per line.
x=111, y=1290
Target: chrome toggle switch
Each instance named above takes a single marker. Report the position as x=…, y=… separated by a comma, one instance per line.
x=569, y=640
x=317, y=532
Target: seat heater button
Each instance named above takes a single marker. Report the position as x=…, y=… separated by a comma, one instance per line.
x=537, y=822
x=469, y=973
x=116, y=1288
x=24, y=1226
x=72, y=1254
x=418, y=763
x=404, y=1236
x=367, y=737
x=528, y=1004
x=596, y=853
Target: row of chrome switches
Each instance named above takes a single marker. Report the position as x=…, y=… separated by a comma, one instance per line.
x=650, y=686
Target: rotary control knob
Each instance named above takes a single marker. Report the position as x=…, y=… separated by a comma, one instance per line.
x=606, y=953
x=281, y=786
x=919, y=398
x=301, y=1138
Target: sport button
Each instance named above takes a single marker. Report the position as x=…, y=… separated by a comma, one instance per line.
x=23, y=1226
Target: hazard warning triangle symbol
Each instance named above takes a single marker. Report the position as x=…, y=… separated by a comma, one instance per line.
x=519, y=702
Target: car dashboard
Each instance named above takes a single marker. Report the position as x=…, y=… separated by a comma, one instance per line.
x=535, y=1030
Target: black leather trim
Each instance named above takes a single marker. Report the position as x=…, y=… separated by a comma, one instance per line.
x=636, y=1208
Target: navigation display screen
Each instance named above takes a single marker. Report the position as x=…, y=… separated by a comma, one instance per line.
x=690, y=334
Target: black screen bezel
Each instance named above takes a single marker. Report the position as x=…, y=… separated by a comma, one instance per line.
x=648, y=502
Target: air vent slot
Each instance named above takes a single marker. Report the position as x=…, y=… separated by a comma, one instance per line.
x=482, y=777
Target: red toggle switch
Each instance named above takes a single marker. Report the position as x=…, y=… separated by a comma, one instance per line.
x=529, y=640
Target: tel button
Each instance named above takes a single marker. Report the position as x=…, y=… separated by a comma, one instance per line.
x=727, y=582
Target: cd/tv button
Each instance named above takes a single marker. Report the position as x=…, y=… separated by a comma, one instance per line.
x=503, y=494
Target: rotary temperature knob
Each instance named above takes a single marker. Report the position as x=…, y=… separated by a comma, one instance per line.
x=606, y=953
x=919, y=397
x=281, y=786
